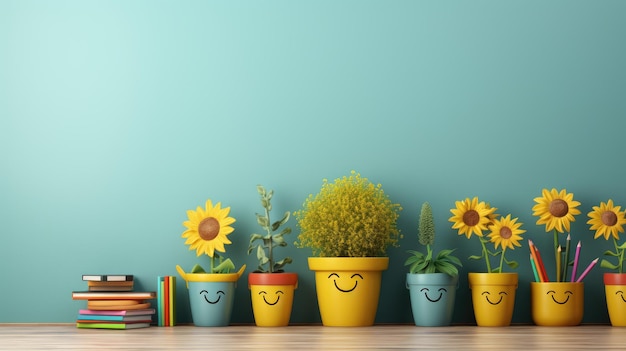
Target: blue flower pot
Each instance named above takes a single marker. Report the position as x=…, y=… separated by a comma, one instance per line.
x=211, y=296
x=432, y=298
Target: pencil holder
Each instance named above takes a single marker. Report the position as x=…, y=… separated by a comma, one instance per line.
x=557, y=303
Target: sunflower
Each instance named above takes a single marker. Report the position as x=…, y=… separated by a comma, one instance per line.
x=607, y=220
x=471, y=217
x=207, y=229
x=556, y=209
x=506, y=232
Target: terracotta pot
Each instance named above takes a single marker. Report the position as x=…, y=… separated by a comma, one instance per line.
x=272, y=297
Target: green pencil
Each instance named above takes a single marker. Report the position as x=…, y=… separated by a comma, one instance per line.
x=534, y=267
x=566, y=262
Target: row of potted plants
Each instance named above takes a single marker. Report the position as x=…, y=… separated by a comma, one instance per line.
x=350, y=224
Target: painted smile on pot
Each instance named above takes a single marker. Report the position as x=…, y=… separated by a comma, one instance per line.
x=219, y=294
x=487, y=293
x=441, y=291
x=621, y=294
x=568, y=293
x=263, y=293
x=356, y=282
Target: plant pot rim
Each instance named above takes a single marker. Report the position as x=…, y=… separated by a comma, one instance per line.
x=210, y=277
x=431, y=279
x=348, y=263
x=614, y=278
x=282, y=278
x=505, y=278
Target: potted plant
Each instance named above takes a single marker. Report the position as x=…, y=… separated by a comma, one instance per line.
x=212, y=292
x=608, y=221
x=271, y=289
x=493, y=292
x=556, y=301
x=432, y=279
x=348, y=225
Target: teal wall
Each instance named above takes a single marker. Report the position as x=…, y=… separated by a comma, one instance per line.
x=116, y=117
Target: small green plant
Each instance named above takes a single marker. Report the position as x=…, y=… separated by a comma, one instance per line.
x=419, y=262
x=271, y=239
x=350, y=217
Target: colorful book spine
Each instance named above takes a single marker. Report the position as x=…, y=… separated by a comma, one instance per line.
x=166, y=301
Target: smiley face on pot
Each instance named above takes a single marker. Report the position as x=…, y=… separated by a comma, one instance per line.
x=560, y=298
x=271, y=298
x=494, y=297
x=212, y=298
x=439, y=294
x=345, y=282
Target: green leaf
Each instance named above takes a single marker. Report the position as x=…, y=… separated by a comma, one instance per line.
x=511, y=264
x=197, y=269
x=608, y=265
x=280, y=222
x=260, y=255
x=418, y=267
x=255, y=237
x=474, y=257
x=224, y=267
x=447, y=268
x=260, y=189
x=611, y=253
x=280, y=264
x=262, y=220
x=623, y=246
x=278, y=238
x=285, y=231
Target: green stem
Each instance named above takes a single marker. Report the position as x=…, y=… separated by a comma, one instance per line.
x=621, y=255
x=486, y=253
x=212, y=263
x=269, y=242
x=502, y=260
x=556, y=248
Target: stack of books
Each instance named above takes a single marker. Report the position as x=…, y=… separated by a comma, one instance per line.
x=113, y=304
x=166, y=301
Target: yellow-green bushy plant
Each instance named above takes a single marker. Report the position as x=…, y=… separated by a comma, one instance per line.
x=350, y=217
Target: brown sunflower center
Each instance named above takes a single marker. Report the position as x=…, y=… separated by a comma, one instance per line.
x=558, y=208
x=505, y=233
x=471, y=218
x=609, y=218
x=209, y=228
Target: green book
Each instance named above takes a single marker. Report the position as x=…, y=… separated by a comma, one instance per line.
x=112, y=325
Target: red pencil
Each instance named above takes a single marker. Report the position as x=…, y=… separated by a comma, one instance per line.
x=535, y=261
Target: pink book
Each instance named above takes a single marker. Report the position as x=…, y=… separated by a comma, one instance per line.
x=119, y=313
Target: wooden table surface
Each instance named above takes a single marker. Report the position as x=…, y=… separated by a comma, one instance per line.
x=313, y=337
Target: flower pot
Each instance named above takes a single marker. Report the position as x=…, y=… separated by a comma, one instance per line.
x=432, y=298
x=348, y=288
x=557, y=303
x=493, y=298
x=615, y=288
x=211, y=296
x=272, y=297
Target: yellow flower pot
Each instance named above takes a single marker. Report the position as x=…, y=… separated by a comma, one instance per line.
x=348, y=289
x=272, y=297
x=493, y=298
x=557, y=303
x=615, y=289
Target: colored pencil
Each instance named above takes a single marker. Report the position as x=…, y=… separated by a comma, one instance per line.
x=566, y=261
x=533, y=253
x=558, y=263
x=534, y=267
x=542, y=267
x=576, y=258
x=586, y=271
